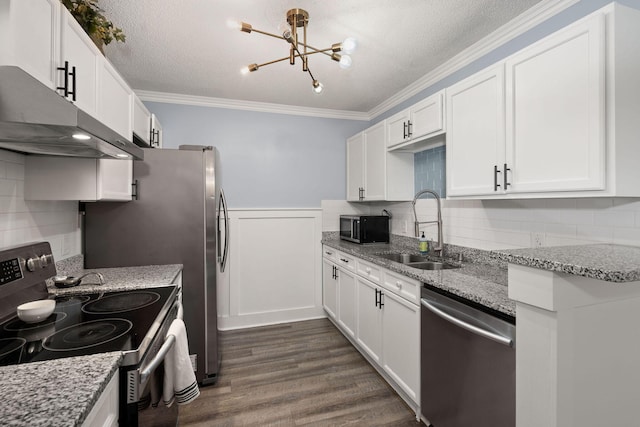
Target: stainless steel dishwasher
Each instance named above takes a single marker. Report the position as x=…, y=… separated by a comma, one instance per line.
x=467, y=364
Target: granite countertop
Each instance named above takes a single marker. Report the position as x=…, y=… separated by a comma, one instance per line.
x=58, y=392
x=610, y=263
x=481, y=279
x=116, y=279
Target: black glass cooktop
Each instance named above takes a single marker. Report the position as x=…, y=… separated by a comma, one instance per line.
x=85, y=324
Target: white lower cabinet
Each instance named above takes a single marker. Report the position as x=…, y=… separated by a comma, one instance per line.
x=401, y=339
x=105, y=410
x=369, y=335
x=329, y=288
x=380, y=317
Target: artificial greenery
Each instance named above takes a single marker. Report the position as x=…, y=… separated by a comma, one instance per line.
x=89, y=16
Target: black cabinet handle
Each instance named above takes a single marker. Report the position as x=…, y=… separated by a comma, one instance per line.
x=360, y=193
x=68, y=73
x=381, y=300
x=134, y=190
x=344, y=260
x=506, y=184
x=495, y=178
x=409, y=129
x=405, y=128
x=377, y=301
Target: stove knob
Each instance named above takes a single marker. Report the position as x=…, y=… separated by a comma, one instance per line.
x=46, y=260
x=33, y=263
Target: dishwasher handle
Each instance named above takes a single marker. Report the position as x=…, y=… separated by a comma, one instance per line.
x=469, y=327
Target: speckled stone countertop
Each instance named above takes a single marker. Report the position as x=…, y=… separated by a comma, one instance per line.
x=610, y=263
x=482, y=278
x=58, y=392
x=116, y=279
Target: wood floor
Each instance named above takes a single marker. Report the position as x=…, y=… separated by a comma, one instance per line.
x=295, y=374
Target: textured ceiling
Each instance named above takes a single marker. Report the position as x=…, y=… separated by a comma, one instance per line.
x=186, y=47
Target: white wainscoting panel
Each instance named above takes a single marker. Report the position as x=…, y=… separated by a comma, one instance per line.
x=275, y=271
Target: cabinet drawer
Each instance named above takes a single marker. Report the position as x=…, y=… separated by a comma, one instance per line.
x=403, y=286
x=369, y=271
x=329, y=253
x=345, y=261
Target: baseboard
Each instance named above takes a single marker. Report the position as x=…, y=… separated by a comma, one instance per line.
x=227, y=323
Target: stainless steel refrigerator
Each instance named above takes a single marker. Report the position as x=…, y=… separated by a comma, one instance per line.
x=178, y=217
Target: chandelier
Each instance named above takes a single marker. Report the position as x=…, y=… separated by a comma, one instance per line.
x=299, y=18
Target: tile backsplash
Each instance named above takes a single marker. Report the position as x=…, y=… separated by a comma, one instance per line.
x=429, y=170
x=24, y=221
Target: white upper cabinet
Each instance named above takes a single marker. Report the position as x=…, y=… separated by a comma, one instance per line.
x=156, y=132
x=556, y=119
x=71, y=178
x=79, y=59
x=373, y=173
x=475, y=133
x=408, y=129
x=141, y=120
x=29, y=37
x=114, y=100
x=555, y=116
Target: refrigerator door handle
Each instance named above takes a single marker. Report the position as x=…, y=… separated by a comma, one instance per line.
x=222, y=258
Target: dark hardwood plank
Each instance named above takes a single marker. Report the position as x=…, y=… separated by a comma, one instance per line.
x=295, y=374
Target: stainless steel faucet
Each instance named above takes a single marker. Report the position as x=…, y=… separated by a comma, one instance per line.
x=440, y=245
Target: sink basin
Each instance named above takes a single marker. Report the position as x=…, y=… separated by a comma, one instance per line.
x=418, y=261
x=432, y=265
x=403, y=258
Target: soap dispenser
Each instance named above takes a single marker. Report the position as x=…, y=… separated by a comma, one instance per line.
x=423, y=245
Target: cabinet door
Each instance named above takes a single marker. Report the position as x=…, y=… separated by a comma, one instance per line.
x=114, y=99
x=375, y=170
x=556, y=111
x=427, y=117
x=29, y=37
x=397, y=128
x=369, y=320
x=355, y=167
x=79, y=51
x=156, y=132
x=401, y=343
x=141, y=120
x=475, y=133
x=114, y=179
x=329, y=289
x=347, y=301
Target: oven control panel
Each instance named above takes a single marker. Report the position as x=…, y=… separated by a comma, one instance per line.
x=10, y=270
x=27, y=264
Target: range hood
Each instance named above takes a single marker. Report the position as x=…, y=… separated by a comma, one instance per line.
x=35, y=119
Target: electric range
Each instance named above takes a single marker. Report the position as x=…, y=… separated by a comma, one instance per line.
x=134, y=322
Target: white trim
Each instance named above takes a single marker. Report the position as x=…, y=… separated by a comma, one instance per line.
x=514, y=28
x=235, y=104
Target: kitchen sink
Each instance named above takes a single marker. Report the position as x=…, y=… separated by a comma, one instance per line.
x=418, y=261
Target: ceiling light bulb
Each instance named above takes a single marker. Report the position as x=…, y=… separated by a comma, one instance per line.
x=317, y=87
x=345, y=61
x=283, y=26
x=244, y=71
x=81, y=136
x=233, y=24
x=122, y=156
x=288, y=36
x=349, y=45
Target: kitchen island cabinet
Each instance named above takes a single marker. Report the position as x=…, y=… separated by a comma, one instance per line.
x=577, y=351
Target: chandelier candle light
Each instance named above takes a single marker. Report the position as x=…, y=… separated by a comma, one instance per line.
x=297, y=18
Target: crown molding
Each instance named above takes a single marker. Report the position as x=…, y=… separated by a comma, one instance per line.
x=234, y=104
x=517, y=26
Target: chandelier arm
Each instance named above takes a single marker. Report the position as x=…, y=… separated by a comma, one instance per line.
x=313, y=79
x=268, y=34
x=273, y=62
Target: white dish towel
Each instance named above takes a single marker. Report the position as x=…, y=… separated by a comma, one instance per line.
x=179, y=380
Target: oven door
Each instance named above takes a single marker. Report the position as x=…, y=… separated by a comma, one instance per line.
x=141, y=385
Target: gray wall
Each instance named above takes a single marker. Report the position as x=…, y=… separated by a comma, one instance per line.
x=275, y=160
x=268, y=160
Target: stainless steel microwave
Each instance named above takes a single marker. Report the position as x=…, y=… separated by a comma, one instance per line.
x=364, y=228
